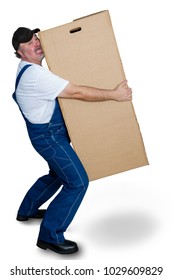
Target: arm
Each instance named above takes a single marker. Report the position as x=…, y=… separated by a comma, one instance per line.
x=121, y=93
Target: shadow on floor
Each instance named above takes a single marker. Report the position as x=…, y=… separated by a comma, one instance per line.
x=122, y=229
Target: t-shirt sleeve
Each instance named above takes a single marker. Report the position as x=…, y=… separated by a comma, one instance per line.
x=49, y=85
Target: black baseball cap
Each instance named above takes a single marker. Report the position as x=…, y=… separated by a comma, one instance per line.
x=23, y=35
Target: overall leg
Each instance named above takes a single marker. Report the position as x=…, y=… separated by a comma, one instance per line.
x=62, y=209
x=43, y=189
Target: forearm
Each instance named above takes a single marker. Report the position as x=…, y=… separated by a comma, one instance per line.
x=86, y=93
x=121, y=93
x=93, y=94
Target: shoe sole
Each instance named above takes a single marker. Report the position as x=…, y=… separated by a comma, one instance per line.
x=22, y=219
x=46, y=246
x=40, y=215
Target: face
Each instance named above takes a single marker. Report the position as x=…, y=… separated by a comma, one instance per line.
x=31, y=51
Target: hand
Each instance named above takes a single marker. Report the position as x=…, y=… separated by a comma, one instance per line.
x=123, y=92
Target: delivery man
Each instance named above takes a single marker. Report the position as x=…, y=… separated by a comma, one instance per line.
x=37, y=91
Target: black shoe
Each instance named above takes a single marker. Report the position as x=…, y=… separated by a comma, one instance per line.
x=67, y=247
x=39, y=215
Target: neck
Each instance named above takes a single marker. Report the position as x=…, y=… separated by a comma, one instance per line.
x=33, y=61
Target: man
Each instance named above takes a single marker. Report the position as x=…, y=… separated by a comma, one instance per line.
x=37, y=93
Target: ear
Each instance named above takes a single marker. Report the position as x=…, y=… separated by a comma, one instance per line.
x=20, y=53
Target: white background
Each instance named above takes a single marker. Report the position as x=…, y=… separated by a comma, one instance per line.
x=125, y=219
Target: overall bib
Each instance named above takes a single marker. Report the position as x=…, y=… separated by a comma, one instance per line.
x=66, y=174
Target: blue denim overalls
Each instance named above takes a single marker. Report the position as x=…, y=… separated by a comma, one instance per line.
x=52, y=142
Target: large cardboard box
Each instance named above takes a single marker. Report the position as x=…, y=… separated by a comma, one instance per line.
x=105, y=135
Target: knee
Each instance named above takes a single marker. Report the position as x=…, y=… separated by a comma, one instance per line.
x=85, y=182
x=82, y=183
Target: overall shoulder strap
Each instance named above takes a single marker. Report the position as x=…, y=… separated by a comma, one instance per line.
x=20, y=74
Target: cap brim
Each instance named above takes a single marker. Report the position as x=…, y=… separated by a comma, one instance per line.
x=36, y=30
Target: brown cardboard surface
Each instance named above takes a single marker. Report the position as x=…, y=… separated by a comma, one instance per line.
x=105, y=135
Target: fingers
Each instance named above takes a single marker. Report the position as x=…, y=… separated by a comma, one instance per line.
x=128, y=90
x=124, y=92
x=130, y=94
x=123, y=83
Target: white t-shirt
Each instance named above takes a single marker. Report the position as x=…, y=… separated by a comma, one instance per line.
x=37, y=91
